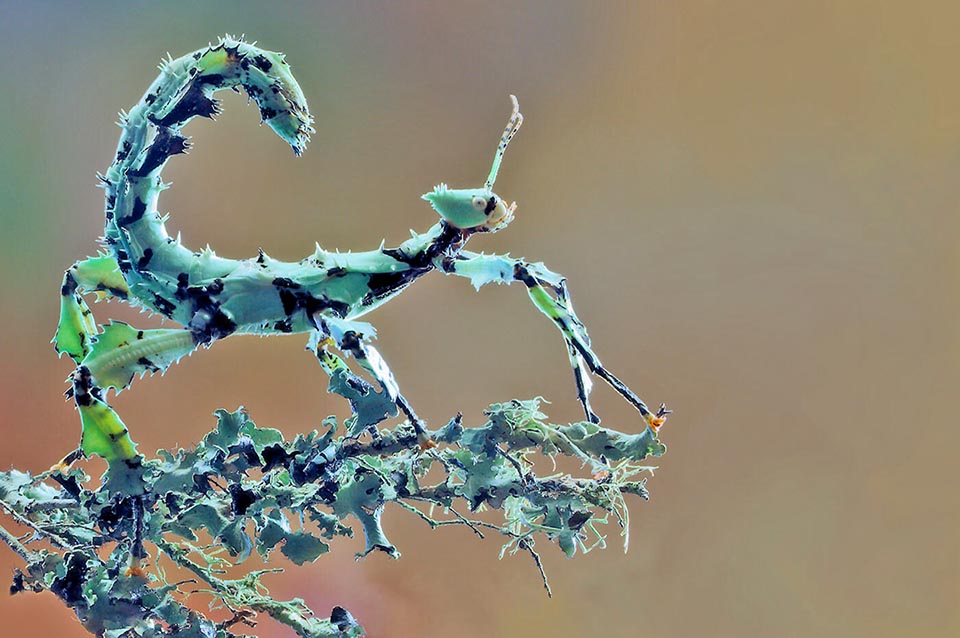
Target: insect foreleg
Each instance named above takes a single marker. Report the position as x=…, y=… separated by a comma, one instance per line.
x=548, y=291
x=77, y=327
x=352, y=337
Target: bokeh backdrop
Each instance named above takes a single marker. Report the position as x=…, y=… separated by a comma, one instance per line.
x=755, y=204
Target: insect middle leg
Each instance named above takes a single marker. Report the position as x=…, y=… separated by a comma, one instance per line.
x=352, y=337
x=548, y=291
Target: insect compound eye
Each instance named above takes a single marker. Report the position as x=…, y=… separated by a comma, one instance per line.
x=478, y=202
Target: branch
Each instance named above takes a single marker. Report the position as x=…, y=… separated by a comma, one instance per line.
x=250, y=489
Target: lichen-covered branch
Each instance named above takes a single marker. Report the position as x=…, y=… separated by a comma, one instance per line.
x=244, y=488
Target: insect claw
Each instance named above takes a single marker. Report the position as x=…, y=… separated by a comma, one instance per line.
x=66, y=462
x=655, y=421
x=135, y=569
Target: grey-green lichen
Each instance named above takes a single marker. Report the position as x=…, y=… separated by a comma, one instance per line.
x=246, y=489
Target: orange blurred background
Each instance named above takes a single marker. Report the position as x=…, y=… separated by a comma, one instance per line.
x=755, y=205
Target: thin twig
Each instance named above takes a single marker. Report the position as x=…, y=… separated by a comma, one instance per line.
x=466, y=521
x=26, y=522
x=516, y=464
x=536, y=558
x=432, y=522
x=16, y=546
x=53, y=504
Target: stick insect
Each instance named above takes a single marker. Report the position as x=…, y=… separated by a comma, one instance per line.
x=212, y=297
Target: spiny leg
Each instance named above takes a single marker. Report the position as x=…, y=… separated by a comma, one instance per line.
x=107, y=357
x=77, y=327
x=117, y=355
x=583, y=382
x=548, y=291
x=369, y=406
x=104, y=432
x=352, y=337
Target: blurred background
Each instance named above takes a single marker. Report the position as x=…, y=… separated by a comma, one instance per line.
x=755, y=205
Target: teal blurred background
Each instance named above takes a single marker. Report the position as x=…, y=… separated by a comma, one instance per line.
x=755, y=205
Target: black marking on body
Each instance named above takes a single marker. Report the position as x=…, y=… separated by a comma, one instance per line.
x=288, y=300
x=448, y=264
x=262, y=63
x=208, y=321
x=267, y=113
x=183, y=282
x=143, y=261
x=123, y=259
x=285, y=282
x=491, y=204
x=283, y=326
x=136, y=213
x=167, y=142
x=450, y=238
x=148, y=364
x=216, y=79
x=520, y=273
x=384, y=284
x=194, y=101
x=164, y=306
x=337, y=271
x=350, y=341
x=123, y=151
x=119, y=293
x=69, y=284
x=84, y=390
x=295, y=300
x=212, y=327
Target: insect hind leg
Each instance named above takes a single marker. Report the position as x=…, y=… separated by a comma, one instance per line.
x=352, y=337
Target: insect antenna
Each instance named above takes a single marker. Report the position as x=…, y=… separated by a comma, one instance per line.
x=513, y=125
